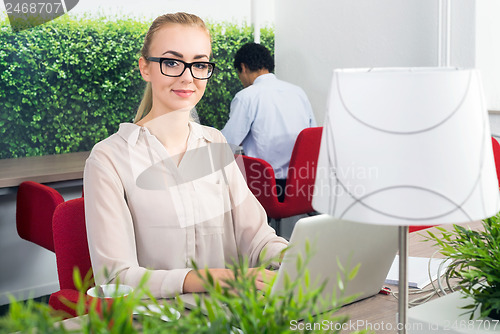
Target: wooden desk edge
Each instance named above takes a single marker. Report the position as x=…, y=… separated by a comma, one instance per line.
x=42, y=169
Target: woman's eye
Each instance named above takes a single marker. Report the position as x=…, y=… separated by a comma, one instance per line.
x=170, y=63
x=201, y=66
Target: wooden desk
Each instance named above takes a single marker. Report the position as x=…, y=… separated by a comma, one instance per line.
x=380, y=310
x=44, y=169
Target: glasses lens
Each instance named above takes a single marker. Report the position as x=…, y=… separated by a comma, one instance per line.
x=202, y=70
x=171, y=67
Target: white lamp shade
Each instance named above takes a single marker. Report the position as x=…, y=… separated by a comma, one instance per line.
x=406, y=146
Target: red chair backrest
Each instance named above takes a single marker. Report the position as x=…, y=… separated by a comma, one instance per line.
x=35, y=206
x=302, y=170
x=70, y=241
x=261, y=180
x=300, y=179
x=496, y=155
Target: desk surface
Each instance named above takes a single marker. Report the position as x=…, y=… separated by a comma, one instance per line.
x=44, y=169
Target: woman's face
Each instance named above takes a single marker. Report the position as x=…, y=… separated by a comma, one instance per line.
x=186, y=43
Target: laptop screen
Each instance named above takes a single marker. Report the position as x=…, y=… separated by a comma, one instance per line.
x=333, y=242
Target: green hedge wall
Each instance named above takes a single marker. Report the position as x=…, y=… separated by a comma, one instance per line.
x=67, y=84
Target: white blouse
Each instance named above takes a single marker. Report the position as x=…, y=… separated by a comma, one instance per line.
x=144, y=213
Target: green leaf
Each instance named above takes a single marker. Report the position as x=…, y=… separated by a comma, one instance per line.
x=353, y=272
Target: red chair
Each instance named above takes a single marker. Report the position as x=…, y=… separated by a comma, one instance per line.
x=496, y=155
x=72, y=251
x=35, y=206
x=300, y=178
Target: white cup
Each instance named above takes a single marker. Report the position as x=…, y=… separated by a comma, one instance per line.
x=110, y=291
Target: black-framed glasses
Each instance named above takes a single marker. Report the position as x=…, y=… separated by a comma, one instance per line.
x=171, y=67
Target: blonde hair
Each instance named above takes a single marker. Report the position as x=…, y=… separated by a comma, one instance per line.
x=158, y=23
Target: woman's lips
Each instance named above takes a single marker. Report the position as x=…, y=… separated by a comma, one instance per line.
x=183, y=92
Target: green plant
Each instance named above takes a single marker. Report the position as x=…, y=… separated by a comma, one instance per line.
x=475, y=263
x=67, y=84
x=238, y=307
x=241, y=308
x=30, y=317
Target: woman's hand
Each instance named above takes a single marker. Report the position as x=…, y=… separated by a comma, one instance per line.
x=263, y=277
x=193, y=283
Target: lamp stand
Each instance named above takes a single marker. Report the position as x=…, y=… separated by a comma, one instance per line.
x=403, y=280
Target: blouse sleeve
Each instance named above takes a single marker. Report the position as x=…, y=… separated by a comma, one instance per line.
x=111, y=236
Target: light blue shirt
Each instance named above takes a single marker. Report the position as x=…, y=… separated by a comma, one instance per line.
x=266, y=118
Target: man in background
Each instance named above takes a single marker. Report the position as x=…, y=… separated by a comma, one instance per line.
x=268, y=114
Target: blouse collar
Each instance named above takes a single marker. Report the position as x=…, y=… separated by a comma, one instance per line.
x=130, y=132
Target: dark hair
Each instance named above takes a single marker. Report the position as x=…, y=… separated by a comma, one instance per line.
x=255, y=57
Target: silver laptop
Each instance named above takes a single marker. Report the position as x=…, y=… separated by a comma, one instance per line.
x=334, y=241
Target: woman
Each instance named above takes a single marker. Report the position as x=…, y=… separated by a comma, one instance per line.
x=164, y=191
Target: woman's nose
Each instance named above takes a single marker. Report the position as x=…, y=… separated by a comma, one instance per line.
x=187, y=76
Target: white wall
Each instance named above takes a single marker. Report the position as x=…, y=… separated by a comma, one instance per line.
x=475, y=42
x=487, y=50
x=316, y=36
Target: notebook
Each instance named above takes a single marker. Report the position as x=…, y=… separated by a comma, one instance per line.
x=331, y=241
x=421, y=271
